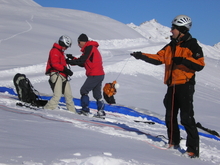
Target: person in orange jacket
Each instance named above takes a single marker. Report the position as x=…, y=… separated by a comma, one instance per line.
x=109, y=91
x=182, y=58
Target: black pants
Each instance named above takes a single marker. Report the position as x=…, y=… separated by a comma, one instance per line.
x=109, y=100
x=94, y=84
x=181, y=97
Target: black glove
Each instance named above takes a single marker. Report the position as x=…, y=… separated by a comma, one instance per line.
x=68, y=61
x=178, y=60
x=69, y=56
x=67, y=71
x=71, y=62
x=136, y=55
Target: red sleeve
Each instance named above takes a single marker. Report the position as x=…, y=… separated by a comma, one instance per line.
x=56, y=60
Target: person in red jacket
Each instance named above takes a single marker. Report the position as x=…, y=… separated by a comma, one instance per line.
x=57, y=70
x=182, y=58
x=91, y=60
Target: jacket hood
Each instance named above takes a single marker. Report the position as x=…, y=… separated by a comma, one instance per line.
x=90, y=43
x=56, y=45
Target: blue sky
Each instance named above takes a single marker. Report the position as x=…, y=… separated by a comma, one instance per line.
x=204, y=13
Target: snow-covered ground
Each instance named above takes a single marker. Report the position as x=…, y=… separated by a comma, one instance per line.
x=27, y=32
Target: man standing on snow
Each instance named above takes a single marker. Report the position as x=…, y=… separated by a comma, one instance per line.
x=57, y=70
x=91, y=59
x=182, y=58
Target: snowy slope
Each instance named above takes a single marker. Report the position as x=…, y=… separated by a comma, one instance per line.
x=59, y=137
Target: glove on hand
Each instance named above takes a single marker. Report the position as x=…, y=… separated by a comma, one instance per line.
x=71, y=62
x=177, y=60
x=70, y=56
x=136, y=55
x=67, y=71
x=68, y=61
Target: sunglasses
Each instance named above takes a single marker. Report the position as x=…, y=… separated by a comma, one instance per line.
x=173, y=27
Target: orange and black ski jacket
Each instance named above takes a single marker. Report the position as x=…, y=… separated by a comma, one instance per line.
x=109, y=89
x=193, y=60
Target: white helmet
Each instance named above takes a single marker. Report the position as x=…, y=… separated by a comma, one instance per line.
x=117, y=86
x=65, y=41
x=182, y=20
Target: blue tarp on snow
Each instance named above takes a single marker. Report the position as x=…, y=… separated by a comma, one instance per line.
x=111, y=108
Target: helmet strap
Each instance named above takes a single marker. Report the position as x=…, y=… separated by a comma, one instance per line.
x=177, y=39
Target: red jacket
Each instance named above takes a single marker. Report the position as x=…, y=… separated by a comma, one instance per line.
x=91, y=59
x=56, y=61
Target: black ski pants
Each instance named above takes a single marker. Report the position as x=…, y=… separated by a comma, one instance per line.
x=94, y=84
x=180, y=97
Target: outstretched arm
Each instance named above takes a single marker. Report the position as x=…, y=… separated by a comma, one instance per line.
x=140, y=55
